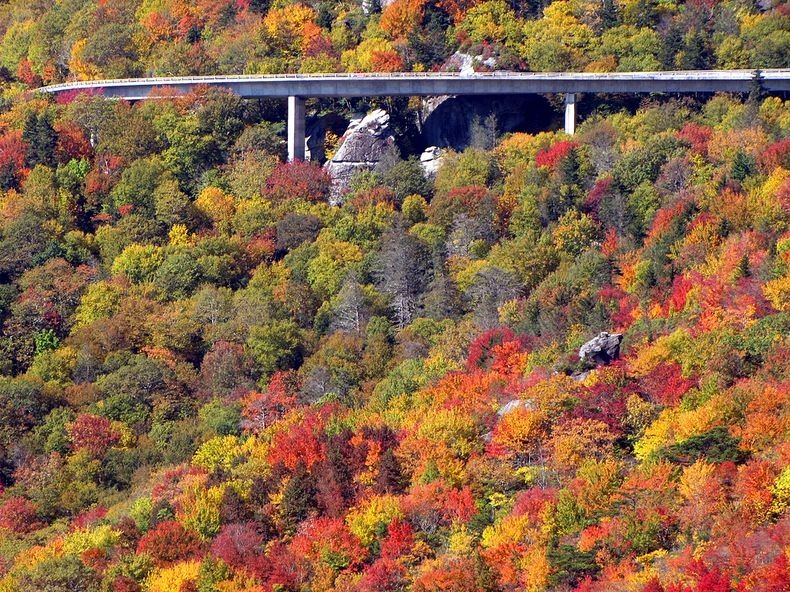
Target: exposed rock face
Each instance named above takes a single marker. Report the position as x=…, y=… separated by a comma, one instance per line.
x=446, y=121
x=431, y=160
x=361, y=147
x=465, y=63
x=371, y=6
x=602, y=349
x=316, y=134
x=580, y=376
x=511, y=406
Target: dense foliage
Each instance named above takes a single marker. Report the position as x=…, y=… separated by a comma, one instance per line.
x=212, y=379
x=51, y=41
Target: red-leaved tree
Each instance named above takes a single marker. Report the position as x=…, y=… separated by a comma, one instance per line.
x=13, y=152
x=298, y=180
x=19, y=515
x=552, y=155
x=92, y=433
x=241, y=547
x=169, y=542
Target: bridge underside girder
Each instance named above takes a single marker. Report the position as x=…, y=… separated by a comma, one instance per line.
x=437, y=84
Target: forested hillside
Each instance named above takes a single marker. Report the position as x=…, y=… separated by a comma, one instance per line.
x=49, y=41
x=212, y=379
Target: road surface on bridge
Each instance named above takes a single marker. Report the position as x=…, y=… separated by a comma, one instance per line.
x=432, y=84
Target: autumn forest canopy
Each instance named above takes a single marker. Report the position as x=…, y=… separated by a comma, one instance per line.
x=51, y=41
x=219, y=374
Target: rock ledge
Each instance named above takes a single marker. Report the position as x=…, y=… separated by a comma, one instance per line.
x=602, y=349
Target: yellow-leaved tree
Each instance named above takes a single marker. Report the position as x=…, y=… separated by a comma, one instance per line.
x=168, y=579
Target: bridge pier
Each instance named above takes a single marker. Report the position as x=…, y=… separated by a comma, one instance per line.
x=570, y=113
x=296, y=125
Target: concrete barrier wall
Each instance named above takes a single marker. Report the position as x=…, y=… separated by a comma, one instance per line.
x=429, y=84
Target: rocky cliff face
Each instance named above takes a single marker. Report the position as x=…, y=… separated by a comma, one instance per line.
x=465, y=63
x=446, y=120
x=431, y=160
x=446, y=123
x=362, y=146
x=317, y=131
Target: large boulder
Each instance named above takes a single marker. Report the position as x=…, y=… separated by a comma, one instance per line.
x=603, y=349
x=361, y=148
x=431, y=160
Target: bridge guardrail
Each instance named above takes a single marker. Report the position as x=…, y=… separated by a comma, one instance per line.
x=658, y=75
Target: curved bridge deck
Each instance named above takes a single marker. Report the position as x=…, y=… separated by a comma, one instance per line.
x=430, y=84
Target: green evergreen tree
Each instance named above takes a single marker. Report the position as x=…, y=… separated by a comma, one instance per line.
x=40, y=135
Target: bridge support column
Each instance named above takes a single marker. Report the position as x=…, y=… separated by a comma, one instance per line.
x=570, y=113
x=296, y=125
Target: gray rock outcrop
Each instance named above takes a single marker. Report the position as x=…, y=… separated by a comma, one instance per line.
x=603, y=349
x=316, y=134
x=373, y=6
x=362, y=146
x=511, y=406
x=431, y=160
x=465, y=63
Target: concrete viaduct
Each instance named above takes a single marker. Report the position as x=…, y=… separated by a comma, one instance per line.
x=297, y=87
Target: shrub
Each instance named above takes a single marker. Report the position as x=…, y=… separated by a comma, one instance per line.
x=169, y=542
x=19, y=515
